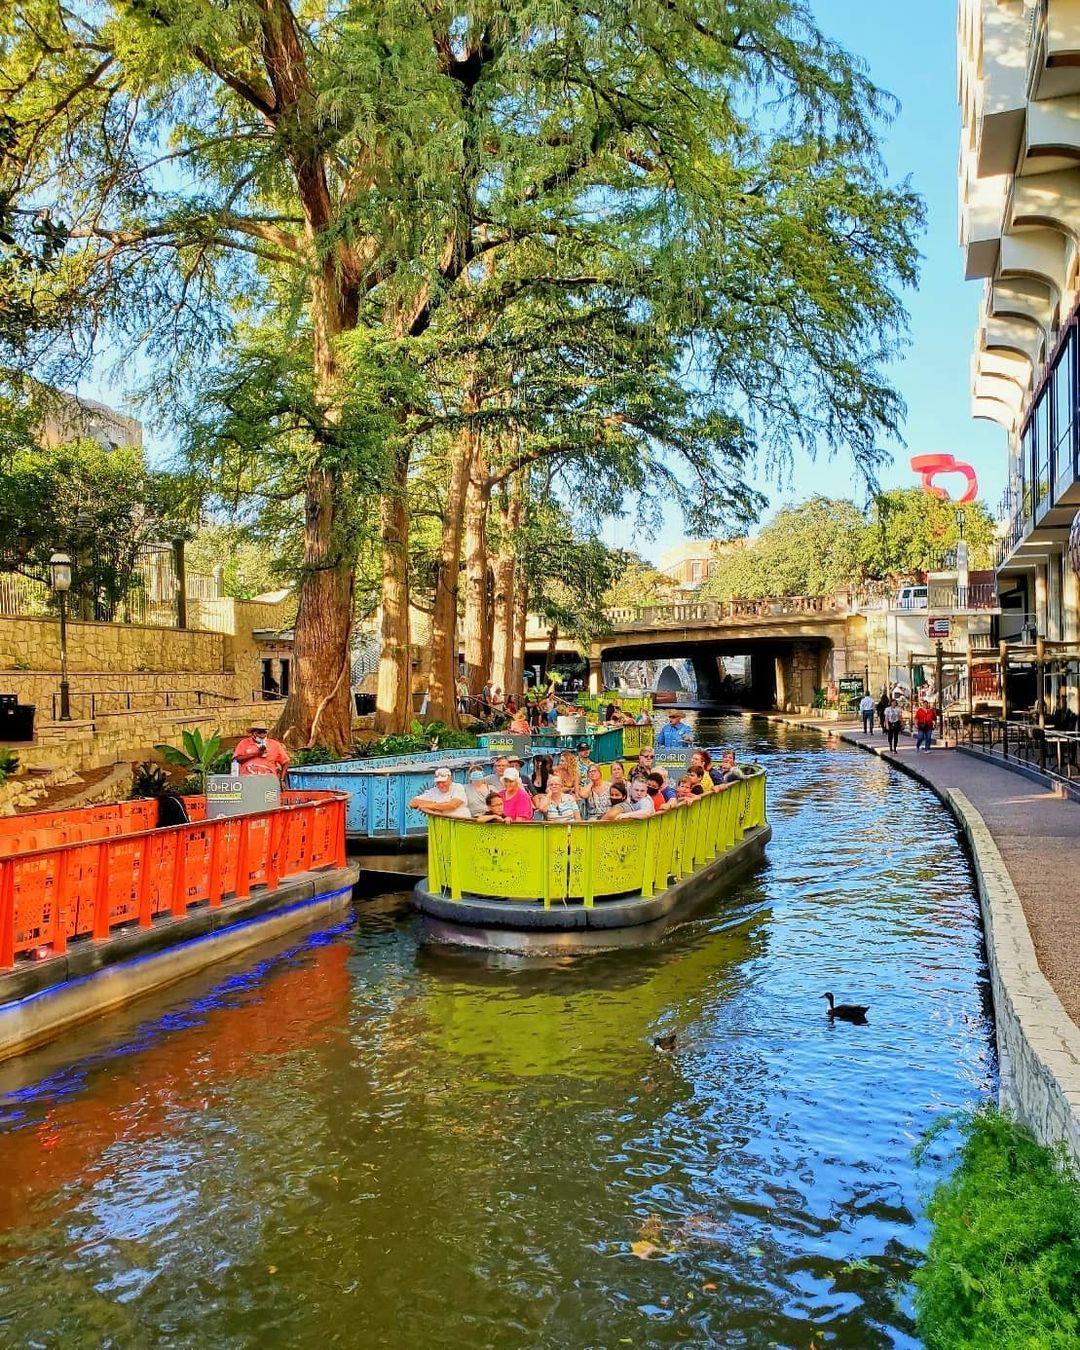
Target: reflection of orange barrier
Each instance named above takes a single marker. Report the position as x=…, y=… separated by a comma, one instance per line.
x=63, y=1143
x=62, y=884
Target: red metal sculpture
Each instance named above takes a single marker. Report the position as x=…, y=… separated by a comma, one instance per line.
x=929, y=466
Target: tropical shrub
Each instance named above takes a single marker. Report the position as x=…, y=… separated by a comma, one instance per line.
x=148, y=780
x=198, y=757
x=1003, y=1266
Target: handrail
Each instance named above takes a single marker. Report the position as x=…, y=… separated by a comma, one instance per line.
x=56, y=890
x=583, y=861
x=174, y=698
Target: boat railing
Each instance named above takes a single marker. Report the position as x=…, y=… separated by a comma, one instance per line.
x=585, y=861
x=55, y=889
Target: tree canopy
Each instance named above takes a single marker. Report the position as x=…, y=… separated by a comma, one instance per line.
x=363, y=245
x=823, y=545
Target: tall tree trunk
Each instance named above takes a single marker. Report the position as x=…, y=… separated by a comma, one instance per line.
x=505, y=574
x=521, y=623
x=552, y=648
x=319, y=707
x=393, y=702
x=477, y=612
x=444, y=617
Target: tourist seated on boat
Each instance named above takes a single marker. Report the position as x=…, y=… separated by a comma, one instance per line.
x=618, y=772
x=519, y=725
x=645, y=764
x=568, y=767
x=494, y=809
x=701, y=759
x=727, y=767
x=676, y=735
x=639, y=803
x=561, y=805
x=537, y=781
x=684, y=791
x=593, y=794
x=697, y=774
x=612, y=715
x=660, y=790
x=618, y=794
x=477, y=789
x=445, y=798
x=517, y=804
x=641, y=720
x=495, y=777
x=584, y=754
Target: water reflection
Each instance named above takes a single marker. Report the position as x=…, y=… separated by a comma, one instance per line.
x=368, y=1142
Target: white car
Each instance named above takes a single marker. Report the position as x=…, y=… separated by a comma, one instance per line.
x=912, y=597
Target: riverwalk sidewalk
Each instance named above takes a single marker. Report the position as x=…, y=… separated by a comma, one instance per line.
x=1037, y=834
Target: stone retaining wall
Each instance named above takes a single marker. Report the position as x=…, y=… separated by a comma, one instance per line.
x=28, y=645
x=1038, y=1043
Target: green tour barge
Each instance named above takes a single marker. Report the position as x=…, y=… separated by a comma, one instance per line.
x=557, y=887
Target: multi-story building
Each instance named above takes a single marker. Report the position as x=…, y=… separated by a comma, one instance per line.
x=691, y=563
x=1019, y=88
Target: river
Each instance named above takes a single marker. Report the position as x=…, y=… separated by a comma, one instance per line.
x=359, y=1141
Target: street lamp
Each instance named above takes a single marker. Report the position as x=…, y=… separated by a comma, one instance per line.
x=60, y=577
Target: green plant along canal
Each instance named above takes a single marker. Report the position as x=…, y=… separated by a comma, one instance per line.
x=364, y=1143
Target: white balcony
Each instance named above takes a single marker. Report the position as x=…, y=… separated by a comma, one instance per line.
x=982, y=211
x=1056, y=50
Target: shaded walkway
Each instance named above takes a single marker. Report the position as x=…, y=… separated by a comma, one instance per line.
x=1037, y=834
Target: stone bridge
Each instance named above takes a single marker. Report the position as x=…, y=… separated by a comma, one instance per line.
x=794, y=644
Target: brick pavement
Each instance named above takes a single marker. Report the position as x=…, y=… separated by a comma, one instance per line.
x=1038, y=836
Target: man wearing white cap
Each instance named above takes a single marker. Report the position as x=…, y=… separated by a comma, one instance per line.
x=445, y=798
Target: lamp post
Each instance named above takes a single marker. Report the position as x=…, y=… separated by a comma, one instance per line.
x=60, y=578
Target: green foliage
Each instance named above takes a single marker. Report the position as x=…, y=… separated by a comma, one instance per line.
x=1003, y=1266
x=432, y=736
x=251, y=564
x=148, y=780
x=197, y=756
x=313, y=754
x=910, y=531
x=812, y=548
x=823, y=545
x=45, y=490
x=9, y=764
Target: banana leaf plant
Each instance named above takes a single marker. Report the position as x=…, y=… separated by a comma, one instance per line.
x=196, y=757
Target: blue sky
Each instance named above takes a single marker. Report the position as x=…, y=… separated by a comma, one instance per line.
x=910, y=49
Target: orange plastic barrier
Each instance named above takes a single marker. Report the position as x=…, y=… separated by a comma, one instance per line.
x=55, y=886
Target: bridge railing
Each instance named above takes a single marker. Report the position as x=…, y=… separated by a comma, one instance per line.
x=680, y=615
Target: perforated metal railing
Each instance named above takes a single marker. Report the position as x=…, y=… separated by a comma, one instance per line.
x=81, y=874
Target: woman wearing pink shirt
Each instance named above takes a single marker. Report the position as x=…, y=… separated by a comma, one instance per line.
x=517, y=804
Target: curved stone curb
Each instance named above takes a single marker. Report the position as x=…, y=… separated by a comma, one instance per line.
x=1038, y=1042
x=1036, y=1037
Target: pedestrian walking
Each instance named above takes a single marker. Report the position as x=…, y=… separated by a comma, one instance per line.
x=893, y=723
x=882, y=704
x=925, y=716
x=866, y=708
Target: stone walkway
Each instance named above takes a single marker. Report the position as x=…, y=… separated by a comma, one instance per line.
x=1038, y=836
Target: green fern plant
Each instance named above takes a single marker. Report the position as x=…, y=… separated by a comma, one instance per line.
x=197, y=756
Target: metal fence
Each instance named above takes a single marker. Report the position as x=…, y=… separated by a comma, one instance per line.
x=149, y=598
